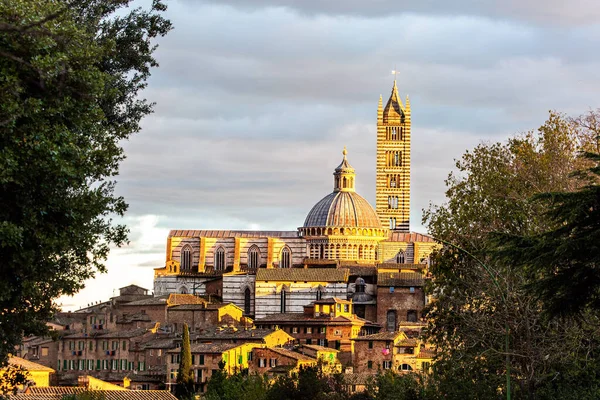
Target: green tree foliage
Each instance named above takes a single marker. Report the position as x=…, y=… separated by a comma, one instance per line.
x=564, y=260
x=184, y=388
x=491, y=192
x=71, y=73
x=222, y=386
x=393, y=386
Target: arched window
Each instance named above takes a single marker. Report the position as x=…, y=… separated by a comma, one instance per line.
x=247, y=309
x=392, y=223
x=391, y=321
x=220, y=259
x=345, y=183
x=400, y=257
x=283, y=301
x=253, y=258
x=186, y=258
x=286, y=258
x=319, y=293
x=183, y=290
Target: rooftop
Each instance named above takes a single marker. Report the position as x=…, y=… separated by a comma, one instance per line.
x=58, y=393
x=413, y=279
x=291, y=354
x=28, y=365
x=231, y=234
x=302, y=274
x=384, y=336
x=212, y=347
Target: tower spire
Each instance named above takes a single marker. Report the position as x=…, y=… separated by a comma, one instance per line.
x=393, y=162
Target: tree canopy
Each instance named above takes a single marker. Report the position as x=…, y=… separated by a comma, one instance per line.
x=184, y=388
x=71, y=73
x=491, y=192
x=564, y=259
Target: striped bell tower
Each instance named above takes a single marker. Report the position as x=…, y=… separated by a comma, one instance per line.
x=392, y=185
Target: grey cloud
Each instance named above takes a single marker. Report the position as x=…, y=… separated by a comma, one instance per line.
x=539, y=11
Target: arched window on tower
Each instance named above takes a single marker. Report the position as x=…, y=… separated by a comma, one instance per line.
x=247, y=297
x=394, y=134
x=220, y=259
x=397, y=159
x=392, y=223
x=286, y=258
x=186, y=258
x=400, y=257
x=253, y=258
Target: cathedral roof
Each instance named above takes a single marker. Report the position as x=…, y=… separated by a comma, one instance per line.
x=302, y=274
x=347, y=209
x=393, y=111
x=211, y=233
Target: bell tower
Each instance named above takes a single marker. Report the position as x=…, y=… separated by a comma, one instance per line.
x=392, y=185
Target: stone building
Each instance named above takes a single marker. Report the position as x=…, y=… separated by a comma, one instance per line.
x=278, y=361
x=343, y=241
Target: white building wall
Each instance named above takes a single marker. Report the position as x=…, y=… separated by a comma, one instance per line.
x=298, y=295
x=234, y=287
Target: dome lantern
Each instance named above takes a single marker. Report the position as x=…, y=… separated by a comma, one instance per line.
x=344, y=175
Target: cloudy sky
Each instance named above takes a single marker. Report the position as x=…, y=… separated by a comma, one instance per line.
x=257, y=98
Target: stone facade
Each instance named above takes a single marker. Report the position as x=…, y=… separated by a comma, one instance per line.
x=203, y=316
x=393, y=163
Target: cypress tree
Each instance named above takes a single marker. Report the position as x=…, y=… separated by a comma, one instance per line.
x=185, y=376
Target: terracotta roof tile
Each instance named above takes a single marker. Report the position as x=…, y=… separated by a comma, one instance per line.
x=409, y=237
x=302, y=274
x=400, y=279
x=292, y=354
x=381, y=336
x=58, y=392
x=212, y=347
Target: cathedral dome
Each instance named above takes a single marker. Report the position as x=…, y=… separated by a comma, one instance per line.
x=343, y=209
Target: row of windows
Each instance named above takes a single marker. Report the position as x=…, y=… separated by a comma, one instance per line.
x=411, y=316
x=308, y=329
x=393, y=158
x=344, y=182
x=393, y=202
x=81, y=345
x=175, y=359
x=394, y=180
x=254, y=258
x=388, y=365
x=394, y=133
x=90, y=365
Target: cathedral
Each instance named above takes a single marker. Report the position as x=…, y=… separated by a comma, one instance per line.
x=345, y=249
